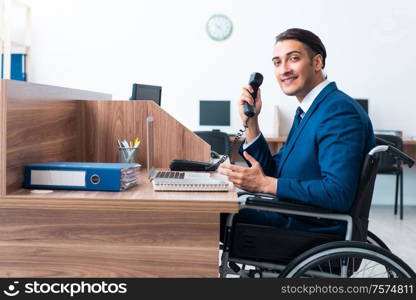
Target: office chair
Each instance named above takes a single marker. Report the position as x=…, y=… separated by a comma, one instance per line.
x=280, y=252
x=389, y=165
x=219, y=141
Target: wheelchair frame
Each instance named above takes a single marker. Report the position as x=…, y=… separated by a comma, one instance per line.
x=266, y=202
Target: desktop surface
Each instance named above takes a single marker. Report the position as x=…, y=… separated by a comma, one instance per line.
x=139, y=197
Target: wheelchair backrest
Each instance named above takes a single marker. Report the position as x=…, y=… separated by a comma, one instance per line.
x=361, y=207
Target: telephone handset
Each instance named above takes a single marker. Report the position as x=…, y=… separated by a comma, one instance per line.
x=256, y=79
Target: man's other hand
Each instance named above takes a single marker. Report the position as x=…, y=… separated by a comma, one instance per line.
x=250, y=179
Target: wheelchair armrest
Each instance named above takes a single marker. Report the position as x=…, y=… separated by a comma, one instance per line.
x=273, y=203
x=239, y=194
x=269, y=204
x=267, y=200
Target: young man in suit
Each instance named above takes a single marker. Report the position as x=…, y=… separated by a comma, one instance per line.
x=330, y=136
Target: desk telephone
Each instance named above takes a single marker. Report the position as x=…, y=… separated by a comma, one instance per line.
x=256, y=79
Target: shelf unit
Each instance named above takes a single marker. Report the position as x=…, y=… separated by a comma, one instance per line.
x=7, y=43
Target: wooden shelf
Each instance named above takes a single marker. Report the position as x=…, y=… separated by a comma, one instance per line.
x=7, y=42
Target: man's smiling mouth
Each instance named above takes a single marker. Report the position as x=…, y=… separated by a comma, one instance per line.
x=289, y=80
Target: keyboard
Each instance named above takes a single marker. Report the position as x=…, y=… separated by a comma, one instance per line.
x=170, y=174
x=182, y=175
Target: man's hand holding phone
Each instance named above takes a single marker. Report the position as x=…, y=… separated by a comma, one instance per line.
x=253, y=129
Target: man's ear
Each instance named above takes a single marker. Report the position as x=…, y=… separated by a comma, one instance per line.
x=318, y=62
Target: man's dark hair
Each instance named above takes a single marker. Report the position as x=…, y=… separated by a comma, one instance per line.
x=308, y=38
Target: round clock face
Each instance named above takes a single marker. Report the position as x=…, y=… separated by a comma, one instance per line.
x=219, y=27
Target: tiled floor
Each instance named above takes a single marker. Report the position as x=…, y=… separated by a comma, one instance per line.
x=398, y=235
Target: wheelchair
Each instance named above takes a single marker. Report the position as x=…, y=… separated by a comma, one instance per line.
x=258, y=251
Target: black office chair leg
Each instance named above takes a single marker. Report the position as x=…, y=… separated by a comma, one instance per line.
x=401, y=195
x=397, y=193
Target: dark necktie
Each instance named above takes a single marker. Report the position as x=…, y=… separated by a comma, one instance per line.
x=296, y=122
x=298, y=117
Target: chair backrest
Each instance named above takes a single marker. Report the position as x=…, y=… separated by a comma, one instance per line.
x=219, y=141
x=388, y=163
x=361, y=207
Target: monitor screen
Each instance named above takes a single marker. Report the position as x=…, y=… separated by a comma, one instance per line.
x=363, y=103
x=146, y=92
x=214, y=113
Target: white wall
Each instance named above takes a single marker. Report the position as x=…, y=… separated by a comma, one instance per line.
x=108, y=45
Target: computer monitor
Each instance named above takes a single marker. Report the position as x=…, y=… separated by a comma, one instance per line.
x=363, y=103
x=214, y=113
x=146, y=92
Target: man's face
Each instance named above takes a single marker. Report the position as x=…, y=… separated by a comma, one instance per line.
x=294, y=69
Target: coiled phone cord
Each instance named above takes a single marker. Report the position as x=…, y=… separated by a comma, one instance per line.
x=228, y=155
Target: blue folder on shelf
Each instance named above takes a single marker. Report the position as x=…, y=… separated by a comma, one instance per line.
x=81, y=176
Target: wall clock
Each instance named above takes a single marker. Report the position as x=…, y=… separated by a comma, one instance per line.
x=219, y=27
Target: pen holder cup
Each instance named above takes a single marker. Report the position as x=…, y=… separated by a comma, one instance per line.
x=127, y=155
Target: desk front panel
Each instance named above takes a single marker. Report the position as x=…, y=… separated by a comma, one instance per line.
x=90, y=243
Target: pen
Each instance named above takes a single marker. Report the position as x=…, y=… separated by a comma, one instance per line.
x=121, y=147
x=136, y=142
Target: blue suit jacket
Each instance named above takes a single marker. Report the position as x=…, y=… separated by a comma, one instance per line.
x=321, y=161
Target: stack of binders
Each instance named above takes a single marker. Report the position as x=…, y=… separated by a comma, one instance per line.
x=81, y=176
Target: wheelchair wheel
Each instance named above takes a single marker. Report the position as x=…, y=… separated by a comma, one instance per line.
x=375, y=240
x=348, y=259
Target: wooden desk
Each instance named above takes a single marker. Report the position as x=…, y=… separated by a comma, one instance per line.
x=275, y=143
x=135, y=233
x=409, y=147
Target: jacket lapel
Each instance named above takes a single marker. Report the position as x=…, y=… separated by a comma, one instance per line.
x=292, y=141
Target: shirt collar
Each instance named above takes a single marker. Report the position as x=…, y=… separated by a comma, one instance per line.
x=310, y=97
